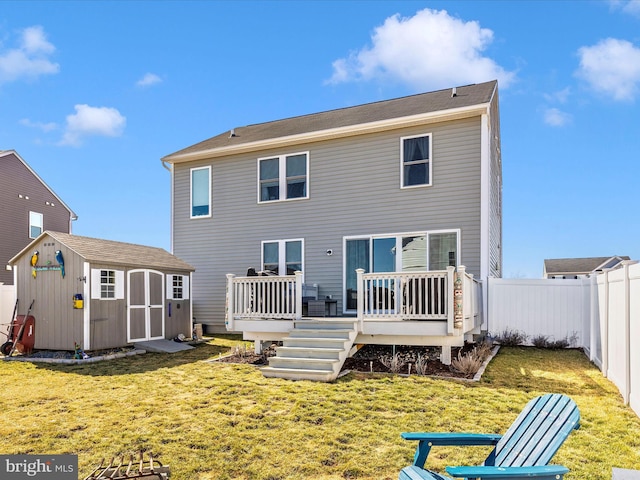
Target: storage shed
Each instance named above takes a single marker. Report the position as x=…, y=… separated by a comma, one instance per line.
x=101, y=293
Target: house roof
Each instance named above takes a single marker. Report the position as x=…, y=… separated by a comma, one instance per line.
x=6, y=153
x=344, y=121
x=96, y=250
x=576, y=266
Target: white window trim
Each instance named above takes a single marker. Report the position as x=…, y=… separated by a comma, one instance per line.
x=31, y=224
x=282, y=260
x=398, y=265
x=402, y=139
x=282, y=176
x=185, y=287
x=208, y=167
x=96, y=291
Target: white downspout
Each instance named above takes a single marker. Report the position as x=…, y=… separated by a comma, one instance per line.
x=170, y=169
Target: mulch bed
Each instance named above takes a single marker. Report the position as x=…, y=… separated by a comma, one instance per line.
x=368, y=359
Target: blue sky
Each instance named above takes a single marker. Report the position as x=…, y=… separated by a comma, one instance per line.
x=93, y=94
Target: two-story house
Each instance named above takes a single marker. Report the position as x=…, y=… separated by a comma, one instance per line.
x=29, y=207
x=376, y=205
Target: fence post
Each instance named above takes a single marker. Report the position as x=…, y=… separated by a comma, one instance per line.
x=360, y=298
x=627, y=330
x=604, y=326
x=298, y=314
x=229, y=313
x=593, y=320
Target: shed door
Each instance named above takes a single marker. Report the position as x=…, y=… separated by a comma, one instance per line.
x=145, y=316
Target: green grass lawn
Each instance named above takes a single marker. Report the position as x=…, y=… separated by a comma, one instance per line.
x=211, y=420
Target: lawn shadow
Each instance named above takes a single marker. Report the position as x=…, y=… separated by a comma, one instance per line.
x=146, y=362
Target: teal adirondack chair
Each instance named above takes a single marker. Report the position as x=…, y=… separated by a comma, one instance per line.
x=523, y=451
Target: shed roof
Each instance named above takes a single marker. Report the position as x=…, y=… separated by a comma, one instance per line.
x=332, y=120
x=556, y=266
x=96, y=250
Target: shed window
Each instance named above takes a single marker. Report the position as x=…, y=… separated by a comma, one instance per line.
x=177, y=287
x=107, y=284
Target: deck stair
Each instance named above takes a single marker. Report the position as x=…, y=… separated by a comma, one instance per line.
x=313, y=350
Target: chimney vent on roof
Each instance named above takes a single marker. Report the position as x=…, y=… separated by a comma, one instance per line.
x=232, y=133
x=454, y=93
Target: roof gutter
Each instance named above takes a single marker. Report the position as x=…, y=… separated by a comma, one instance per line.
x=332, y=133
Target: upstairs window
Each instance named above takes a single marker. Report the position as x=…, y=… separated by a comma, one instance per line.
x=415, y=153
x=200, y=192
x=35, y=224
x=284, y=177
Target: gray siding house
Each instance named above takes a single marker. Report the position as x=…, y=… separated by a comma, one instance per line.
x=128, y=293
x=394, y=187
x=29, y=207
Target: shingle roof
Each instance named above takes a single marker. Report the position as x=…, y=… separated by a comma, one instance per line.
x=466, y=96
x=556, y=266
x=119, y=253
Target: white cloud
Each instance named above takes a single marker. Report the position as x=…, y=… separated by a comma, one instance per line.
x=560, y=96
x=148, y=80
x=429, y=50
x=29, y=59
x=92, y=121
x=632, y=7
x=45, y=127
x=556, y=118
x=611, y=67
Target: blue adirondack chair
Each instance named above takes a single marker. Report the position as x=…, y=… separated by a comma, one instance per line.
x=523, y=451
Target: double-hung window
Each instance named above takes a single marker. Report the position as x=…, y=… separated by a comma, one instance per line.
x=415, y=157
x=201, y=192
x=36, y=224
x=283, y=177
x=283, y=257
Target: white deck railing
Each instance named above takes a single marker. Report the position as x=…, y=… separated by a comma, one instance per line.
x=272, y=297
x=446, y=295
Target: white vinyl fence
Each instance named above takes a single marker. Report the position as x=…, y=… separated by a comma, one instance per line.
x=601, y=314
x=7, y=303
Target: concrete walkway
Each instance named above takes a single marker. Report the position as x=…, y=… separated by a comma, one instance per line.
x=163, y=346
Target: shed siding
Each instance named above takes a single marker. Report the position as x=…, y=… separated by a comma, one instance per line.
x=354, y=189
x=15, y=180
x=57, y=323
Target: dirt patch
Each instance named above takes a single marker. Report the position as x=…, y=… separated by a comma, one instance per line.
x=375, y=359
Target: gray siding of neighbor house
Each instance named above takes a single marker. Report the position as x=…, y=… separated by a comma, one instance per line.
x=15, y=180
x=354, y=189
x=495, y=193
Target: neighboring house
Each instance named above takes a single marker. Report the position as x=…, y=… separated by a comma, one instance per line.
x=101, y=293
x=29, y=207
x=395, y=187
x=571, y=268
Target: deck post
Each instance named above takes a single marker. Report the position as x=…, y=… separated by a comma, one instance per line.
x=229, y=313
x=298, y=314
x=450, y=299
x=360, y=298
